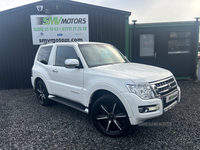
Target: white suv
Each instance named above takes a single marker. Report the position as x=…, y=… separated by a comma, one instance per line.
x=97, y=79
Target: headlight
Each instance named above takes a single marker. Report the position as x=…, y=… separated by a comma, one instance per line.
x=143, y=90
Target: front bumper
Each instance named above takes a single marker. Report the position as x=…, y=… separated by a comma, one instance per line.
x=135, y=103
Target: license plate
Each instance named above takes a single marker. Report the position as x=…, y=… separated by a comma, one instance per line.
x=172, y=97
x=170, y=106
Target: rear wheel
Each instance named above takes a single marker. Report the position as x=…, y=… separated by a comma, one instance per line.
x=42, y=93
x=110, y=117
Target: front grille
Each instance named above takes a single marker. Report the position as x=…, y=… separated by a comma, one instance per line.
x=164, y=88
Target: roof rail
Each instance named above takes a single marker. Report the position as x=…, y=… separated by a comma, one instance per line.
x=59, y=42
x=49, y=42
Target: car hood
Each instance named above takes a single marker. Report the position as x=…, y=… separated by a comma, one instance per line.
x=135, y=72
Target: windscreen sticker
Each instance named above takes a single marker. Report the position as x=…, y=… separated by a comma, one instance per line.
x=106, y=54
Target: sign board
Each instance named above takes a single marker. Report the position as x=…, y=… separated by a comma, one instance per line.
x=59, y=28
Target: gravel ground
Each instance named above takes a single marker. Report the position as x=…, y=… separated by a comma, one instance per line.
x=24, y=124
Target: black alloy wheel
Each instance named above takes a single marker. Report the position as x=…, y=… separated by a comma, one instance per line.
x=110, y=117
x=42, y=93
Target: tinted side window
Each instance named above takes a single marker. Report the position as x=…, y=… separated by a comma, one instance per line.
x=44, y=54
x=63, y=53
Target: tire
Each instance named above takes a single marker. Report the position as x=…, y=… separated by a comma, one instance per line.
x=42, y=93
x=110, y=117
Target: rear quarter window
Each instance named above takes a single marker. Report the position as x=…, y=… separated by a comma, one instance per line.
x=43, y=55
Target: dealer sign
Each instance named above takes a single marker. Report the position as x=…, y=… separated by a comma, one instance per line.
x=59, y=28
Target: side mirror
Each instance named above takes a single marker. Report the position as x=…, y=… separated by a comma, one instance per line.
x=71, y=63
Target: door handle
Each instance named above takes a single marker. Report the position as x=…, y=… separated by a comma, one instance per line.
x=155, y=55
x=55, y=71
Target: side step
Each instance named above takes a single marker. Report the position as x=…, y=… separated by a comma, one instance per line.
x=69, y=103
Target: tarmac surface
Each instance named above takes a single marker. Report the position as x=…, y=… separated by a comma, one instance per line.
x=24, y=124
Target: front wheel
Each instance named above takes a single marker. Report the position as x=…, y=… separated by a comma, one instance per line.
x=110, y=117
x=42, y=93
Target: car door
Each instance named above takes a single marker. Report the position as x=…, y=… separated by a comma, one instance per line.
x=66, y=82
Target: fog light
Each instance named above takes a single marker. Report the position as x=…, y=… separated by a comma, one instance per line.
x=145, y=109
x=141, y=109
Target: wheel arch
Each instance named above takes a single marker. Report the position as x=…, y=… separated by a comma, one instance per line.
x=39, y=78
x=107, y=89
x=97, y=94
x=36, y=80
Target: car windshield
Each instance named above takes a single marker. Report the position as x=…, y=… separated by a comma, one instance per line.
x=101, y=54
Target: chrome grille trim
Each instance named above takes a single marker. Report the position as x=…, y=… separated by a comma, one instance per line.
x=163, y=86
x=170, y=93
x=166, y=90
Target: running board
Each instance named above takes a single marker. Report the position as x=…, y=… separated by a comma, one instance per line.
x=69, y=103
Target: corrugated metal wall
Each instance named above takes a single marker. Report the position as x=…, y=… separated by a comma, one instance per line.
x=17, y=51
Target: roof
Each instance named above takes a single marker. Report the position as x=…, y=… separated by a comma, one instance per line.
x=71, y=43
x=163, y=24
x=65, y=1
